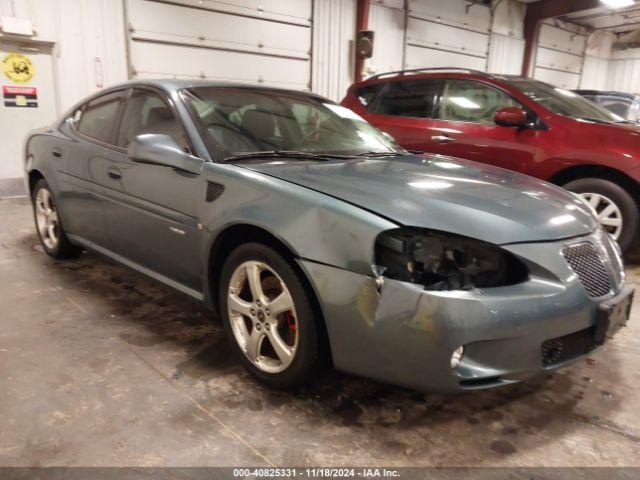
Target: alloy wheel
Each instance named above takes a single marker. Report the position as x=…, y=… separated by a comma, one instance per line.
x=47, y=219
x=263, y=316
x=607, y=212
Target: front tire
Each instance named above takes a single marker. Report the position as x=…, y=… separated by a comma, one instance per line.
x=615, y=208
x=269, y=317
x=52, y=236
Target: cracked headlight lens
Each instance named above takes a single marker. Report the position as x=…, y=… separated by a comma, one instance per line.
x=442, y=261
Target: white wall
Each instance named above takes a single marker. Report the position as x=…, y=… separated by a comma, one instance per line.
x=88, y=40
x=387, y=19
x=596, y=60
x=334, y=29
x=624, y=71
x=506, y=48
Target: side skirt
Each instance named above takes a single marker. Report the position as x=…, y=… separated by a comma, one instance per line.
x=135, y=266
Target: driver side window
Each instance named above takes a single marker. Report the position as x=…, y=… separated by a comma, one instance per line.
x=468, y=101
x=148, y=112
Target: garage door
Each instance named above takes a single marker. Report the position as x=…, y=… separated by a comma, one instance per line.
x=445, y=34
x=250, y=41
x=559, y=56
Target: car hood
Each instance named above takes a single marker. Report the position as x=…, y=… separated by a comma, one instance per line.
x=447, y=194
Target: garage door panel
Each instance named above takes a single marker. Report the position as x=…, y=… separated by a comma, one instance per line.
x=560, y=79
x=559, y=39
x=249, y=41
x=418, y=57
x=431, y=34
x=455, y=12
x=298, y=11
x=558, y=60
x=217, y=30
x=447, y=34
x=157, y=60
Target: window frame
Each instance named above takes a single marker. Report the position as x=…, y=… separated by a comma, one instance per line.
x=121, y=95
x=374, y=105
x=169, y=102
x=369, y=107
x=532, y=116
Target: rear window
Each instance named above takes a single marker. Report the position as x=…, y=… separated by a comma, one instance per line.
x=409, y=98
x=98, y=117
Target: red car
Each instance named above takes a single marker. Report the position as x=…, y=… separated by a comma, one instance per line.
x=516, y=123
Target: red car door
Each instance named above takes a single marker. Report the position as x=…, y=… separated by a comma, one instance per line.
x=464, y=127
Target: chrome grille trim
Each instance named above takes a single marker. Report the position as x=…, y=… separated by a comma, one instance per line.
x=587, y=263
x=613, y=254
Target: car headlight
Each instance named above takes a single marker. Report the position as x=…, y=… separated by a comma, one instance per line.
x=442, y=261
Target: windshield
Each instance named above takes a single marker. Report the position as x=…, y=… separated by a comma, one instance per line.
x=240, y=121
x=564, y=102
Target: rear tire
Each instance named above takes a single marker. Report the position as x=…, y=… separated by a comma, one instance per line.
x=270, y=322
x=52, y=236
x=613, y=204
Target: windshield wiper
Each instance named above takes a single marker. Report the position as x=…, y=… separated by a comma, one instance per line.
x=288, y=154
x=378, y=154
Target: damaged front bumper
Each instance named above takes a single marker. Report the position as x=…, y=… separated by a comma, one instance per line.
x=400, y=333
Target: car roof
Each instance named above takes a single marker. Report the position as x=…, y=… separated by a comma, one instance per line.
x=445, y=72
x=171, y=85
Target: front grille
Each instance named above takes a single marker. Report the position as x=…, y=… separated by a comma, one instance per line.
x=561, y=349
x=584, y=260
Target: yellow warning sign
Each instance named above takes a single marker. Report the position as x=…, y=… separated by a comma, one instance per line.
x=18, y=68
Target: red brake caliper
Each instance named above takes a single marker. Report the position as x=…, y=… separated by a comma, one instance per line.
x=291, y=322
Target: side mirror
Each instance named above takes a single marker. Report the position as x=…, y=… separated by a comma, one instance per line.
x=159, y=149
x=511, y=117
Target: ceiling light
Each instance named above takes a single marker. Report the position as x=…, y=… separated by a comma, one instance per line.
x=618, y=3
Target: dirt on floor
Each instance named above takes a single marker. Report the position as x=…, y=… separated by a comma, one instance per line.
x=100, y=366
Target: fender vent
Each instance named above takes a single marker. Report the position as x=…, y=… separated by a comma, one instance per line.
x=214, y=190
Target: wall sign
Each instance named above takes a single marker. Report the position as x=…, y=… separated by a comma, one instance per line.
x=20, y=96
x=18, y=67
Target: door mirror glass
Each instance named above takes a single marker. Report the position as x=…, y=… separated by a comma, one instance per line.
x=511, y=117
x=160, y=149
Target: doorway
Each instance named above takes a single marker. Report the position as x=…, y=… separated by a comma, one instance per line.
x=27, y=101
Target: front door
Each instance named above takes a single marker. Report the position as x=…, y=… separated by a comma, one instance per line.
x=464, y=127
x=152, y=216
x=28, y=102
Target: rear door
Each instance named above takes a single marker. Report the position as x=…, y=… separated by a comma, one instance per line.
x=82, y=165
x=404, y=109
x=464, y=127
x=152, y=210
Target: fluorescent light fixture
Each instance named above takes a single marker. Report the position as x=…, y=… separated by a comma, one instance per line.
x=617, y=3
x=464, y=102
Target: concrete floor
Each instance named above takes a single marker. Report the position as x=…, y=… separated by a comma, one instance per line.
x=100, y=366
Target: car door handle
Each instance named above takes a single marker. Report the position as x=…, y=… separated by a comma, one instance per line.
x=114, y=173
x=56, y=152
x=442, y=138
